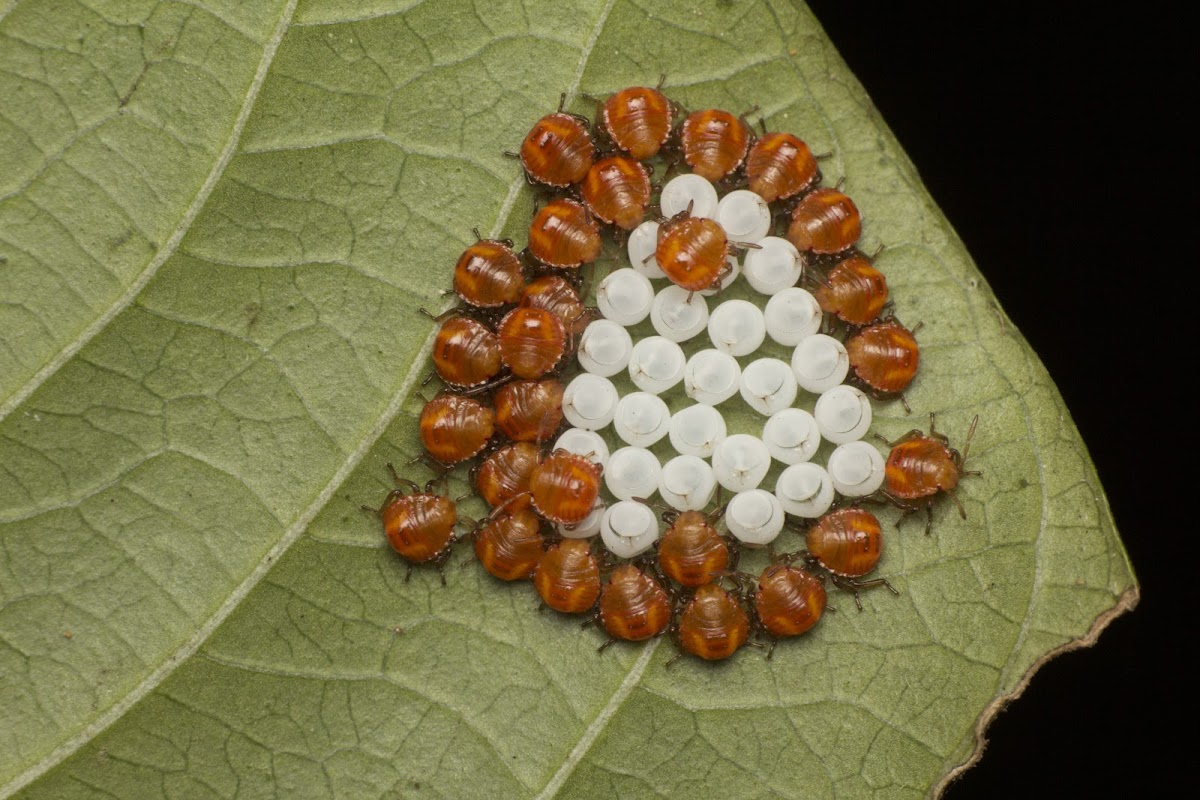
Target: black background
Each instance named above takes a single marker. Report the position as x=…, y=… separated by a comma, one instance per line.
x=1052, y=139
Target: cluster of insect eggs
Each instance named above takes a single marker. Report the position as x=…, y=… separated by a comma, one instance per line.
x=502, y=352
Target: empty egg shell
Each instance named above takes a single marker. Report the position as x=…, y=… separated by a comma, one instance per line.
x=589, y=401
x=697, y=430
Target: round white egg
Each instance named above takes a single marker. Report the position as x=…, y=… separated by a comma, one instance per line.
x=856, y=469
x=805, y=490
x=589, y=401
x=641, y=419
x=792, y=435
x=632, y=472
x=768, y=385
x=820, y=363
x=624, y=296
x=583, y=443
x=711, y=377
x=687, y=483
x=697, y=430
x=737, y=327
x=604, y=348
x=628, y=528
x=843, y=414
x=656, y=364
x=744, y=215
x=587, y=527
x=678, y=314
x=776, y=265
x=740, y=462
x=791, y=315
x=754, y=517
x=642, y=245
x=689, y=188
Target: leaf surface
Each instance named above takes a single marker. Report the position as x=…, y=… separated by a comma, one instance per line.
x=219, y=223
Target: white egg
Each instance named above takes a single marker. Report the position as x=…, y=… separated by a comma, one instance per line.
x=641, y=419
x=624, y=296
x=843, y=414
x=687, y=483
x=643, y=242
x=583, y=443
x=740, y=462
x=628, y=528
x=792, y=435
x=632, y=472
x=737, y=327
x=776, y=265
x=587, y=527
x=768, y=385
x=656, y=364
x=805, y=490
x=696, y=430
x=689, y=188
x=820, y=362
x=678, y=314
x=744, y=215
x=604, y=348
x=856, y=468
x=589, y=401
x=754, y=517
x=711, y=377
x=792, y=315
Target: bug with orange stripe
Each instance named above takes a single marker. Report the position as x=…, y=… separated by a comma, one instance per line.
x=920, y=467
x=466, y=352
x=848, y=543
x=789, y=601
x=617, y=191
x=455, y=428
x=567, y=577
x=418, y=524
x=529, y=411
x=564, y=486
x=638, y=120
x=854, y=291
x=779, y=166
x=558, y=150
x=825, y=221
x=563, y=234
x=713, y=624
x=510, y=545
x=714, y=142
x=885, y=357
x=532, y=341
x=691, y=552
x=488, y=274
x=633, y=606
x=504, y=474
x=555, y=294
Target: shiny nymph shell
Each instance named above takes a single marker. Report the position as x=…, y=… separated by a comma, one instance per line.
x=532, y=341
x=920, y=467
x=418, y=526
x=555, y=294
x=466, y=352
x=558, y=150
x=529, y=411
x=488, y=275
x=455, y=428
x=510, y=546
x=564, y=487
x=638, y=120
x=617, y=191
x=789, y=600
x=691, y=551
x=567, y=577
x=691, y=252
x=714, y=143
x=713, y=624
x=563, y=234
x=633, y=606
x=780, y=165
x=825, y=221
x=854, y=291
x=884, y=356
x=847, y=542
x=504, y=474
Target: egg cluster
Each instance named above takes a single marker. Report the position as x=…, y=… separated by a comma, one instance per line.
x=750, y=206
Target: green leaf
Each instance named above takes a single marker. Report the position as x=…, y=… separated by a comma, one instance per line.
x=217, y=221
